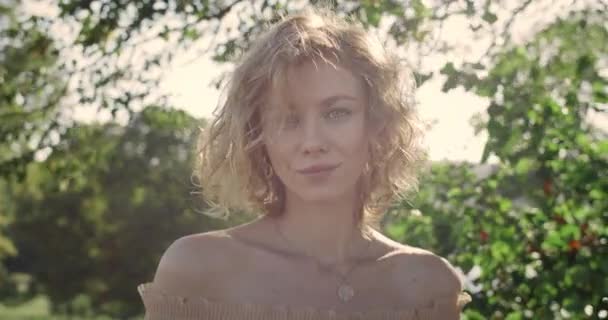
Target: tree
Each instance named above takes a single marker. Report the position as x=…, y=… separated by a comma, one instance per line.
x=536, y=226
x=109, y=35
x=113, y=75
x=92, y=220
x=31, y=88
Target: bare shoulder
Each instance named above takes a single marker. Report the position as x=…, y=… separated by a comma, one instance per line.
x=423, y=276
x=195, y=265
x=420, y=275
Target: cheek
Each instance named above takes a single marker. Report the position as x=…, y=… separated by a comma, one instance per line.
x=278, y=156
x=355, y=142
x=356, y=149
x=355, y=154
x=361, y=153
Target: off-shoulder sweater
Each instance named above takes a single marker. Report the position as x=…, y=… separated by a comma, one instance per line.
x=159, y=305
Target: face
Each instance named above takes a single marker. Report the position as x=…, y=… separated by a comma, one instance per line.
x=316, y=133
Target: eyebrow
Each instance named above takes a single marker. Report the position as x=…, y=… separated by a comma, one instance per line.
x=327, y=102
x=330, y=100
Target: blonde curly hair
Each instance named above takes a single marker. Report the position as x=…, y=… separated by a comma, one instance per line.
x=233, y=169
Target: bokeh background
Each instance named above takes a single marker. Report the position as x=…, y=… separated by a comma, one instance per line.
x=101, y=102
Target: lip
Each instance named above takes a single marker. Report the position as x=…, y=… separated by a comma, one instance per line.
x=317, y=168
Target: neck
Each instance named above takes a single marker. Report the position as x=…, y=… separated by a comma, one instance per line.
x=326, y=231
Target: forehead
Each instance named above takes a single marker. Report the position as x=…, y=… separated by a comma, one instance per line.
x=312, y=82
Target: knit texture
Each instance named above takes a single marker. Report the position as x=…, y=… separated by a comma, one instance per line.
x=162, y=306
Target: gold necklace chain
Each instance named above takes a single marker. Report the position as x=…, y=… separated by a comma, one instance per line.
x=345, y=290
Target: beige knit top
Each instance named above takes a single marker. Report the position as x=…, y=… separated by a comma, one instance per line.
x=162, y=306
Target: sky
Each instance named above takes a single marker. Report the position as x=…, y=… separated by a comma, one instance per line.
x=451, y=137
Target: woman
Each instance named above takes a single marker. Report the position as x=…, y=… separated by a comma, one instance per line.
x=318, y=134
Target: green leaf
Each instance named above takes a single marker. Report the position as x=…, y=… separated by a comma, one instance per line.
x=524, y=165
x=602, y=147
x=396, y=231
x=597, y=194
x=500, y=251
x=373, y=14
x=554, y=241
x=569, y=232
x=489, y=17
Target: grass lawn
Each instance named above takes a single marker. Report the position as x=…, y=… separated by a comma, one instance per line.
x=35, y=309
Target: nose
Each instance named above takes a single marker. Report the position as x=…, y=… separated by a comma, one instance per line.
x=312, y=139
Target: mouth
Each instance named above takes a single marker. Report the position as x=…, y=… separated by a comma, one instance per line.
x=317, y=169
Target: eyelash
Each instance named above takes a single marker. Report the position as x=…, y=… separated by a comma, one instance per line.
x=293, y=120
x=343, y=112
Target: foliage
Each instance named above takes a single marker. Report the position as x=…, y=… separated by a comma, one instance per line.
x=31, y=86
x=7, y=247
x=110, y=61
x=108, y=201
x=537, y=225
x=29, y=90
x=111, y=31
x=104, y=60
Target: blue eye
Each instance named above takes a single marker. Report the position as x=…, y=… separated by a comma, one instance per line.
x=338, y=113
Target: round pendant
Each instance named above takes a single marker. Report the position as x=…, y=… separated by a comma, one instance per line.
x=345, y=292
